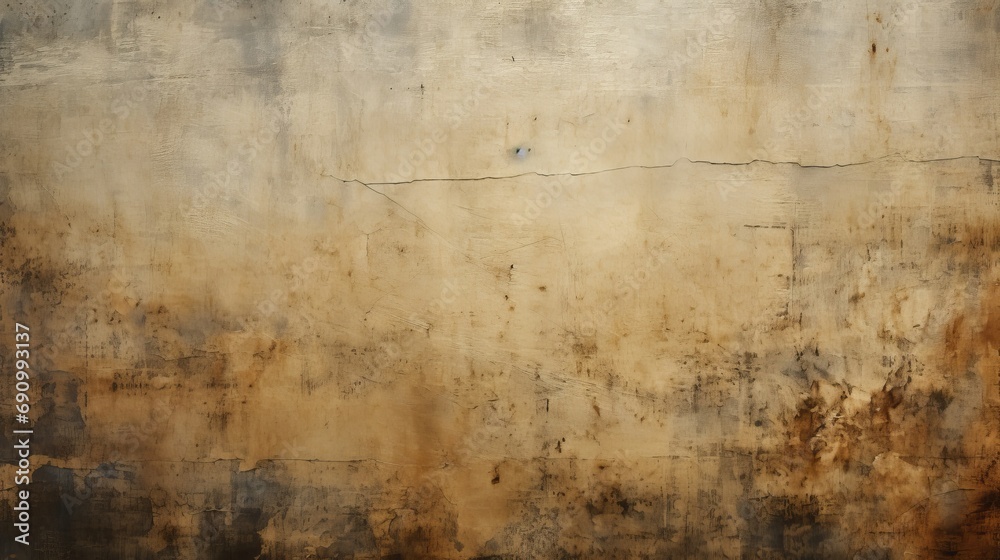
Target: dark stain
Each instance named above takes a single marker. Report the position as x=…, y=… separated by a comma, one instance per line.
x=58, y=19
x=254, y=26
x=424, y=526
x=7, y=234
x=257, y=495
x=343, y=530
x=883, y=402
x=104, y=516
x=612, y=501
x=972, y=534
x=566, y=508
x=985, y=17
x=806, y=424
x=771, y=21
x=585, y=348
x=219, y=420
x=209, y=367
x=59, y=429
x=589, y=509
x=354, y=536
x=940, y=400
x=791, y=527
x=988, y=174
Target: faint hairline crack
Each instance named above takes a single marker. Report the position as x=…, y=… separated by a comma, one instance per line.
x=370, y=184
x=419, y=220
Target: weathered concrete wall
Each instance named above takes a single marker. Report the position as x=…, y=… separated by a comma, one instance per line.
x=514, y=279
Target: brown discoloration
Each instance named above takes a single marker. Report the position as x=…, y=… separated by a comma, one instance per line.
x=606, y=355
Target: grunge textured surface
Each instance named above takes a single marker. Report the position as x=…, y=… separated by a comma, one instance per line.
x=519, y=279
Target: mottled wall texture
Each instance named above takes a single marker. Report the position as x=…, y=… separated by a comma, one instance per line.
x=518, y=279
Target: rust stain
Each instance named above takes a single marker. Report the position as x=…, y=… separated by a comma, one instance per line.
x=293, y=304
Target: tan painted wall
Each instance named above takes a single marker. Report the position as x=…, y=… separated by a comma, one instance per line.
x=530, y=279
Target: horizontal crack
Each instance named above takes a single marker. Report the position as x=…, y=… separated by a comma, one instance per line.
x=369, y=184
